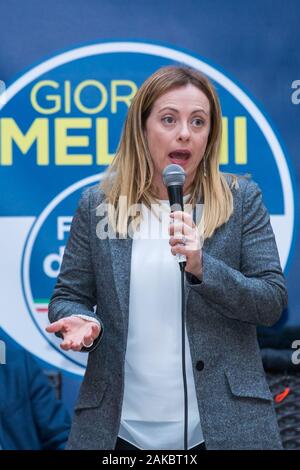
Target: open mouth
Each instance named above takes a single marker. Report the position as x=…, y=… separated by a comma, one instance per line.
x=179, y=156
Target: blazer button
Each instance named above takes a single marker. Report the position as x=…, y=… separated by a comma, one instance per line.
x=200, y=365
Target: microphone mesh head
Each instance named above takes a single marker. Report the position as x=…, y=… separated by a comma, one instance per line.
x=173, y=175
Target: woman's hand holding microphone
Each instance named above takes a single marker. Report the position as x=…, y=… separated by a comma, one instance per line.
x=185, y=239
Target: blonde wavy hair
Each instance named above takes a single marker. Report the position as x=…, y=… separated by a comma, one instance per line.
x=131, y=171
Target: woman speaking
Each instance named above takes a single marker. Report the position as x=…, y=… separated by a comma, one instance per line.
x=118, y=294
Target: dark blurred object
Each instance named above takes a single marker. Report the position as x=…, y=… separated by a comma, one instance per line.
x=56, y=381
x=285, y=388
x=279, y=360
x=31, y=417
x=284, y=381
x=279, y=338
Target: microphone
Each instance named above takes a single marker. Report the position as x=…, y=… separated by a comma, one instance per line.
x=174, y=178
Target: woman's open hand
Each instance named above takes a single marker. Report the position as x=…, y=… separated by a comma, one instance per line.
x=76, y=332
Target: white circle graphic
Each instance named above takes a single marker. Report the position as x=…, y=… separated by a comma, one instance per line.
x=283, y=237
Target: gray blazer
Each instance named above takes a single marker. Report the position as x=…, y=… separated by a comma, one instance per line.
x=242, y=287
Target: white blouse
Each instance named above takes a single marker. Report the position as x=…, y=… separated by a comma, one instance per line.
x=153, y=403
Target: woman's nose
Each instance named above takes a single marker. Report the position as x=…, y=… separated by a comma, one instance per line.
x=184, y=132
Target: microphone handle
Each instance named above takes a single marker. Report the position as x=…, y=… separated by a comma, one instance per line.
x=175, y=197
x=175, y=194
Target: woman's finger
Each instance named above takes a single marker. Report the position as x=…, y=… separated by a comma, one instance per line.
x=66, y=345
x=55, y=326
x=95, y=330
x=179, y=240
x=180, y=249
x=183, y=217
x=87, y=341
x=180, y=227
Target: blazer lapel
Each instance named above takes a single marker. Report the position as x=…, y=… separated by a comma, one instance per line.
x=121, y=262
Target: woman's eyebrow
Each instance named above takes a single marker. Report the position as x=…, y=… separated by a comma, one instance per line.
x=169, y=108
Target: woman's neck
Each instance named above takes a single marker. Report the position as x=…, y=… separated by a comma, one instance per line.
x=162, y=192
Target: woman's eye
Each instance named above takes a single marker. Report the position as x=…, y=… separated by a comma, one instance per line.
x=168, y=120
x=197, y=122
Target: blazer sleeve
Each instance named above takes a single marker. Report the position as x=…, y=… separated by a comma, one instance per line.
x=256, y=293
x=75, y=290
